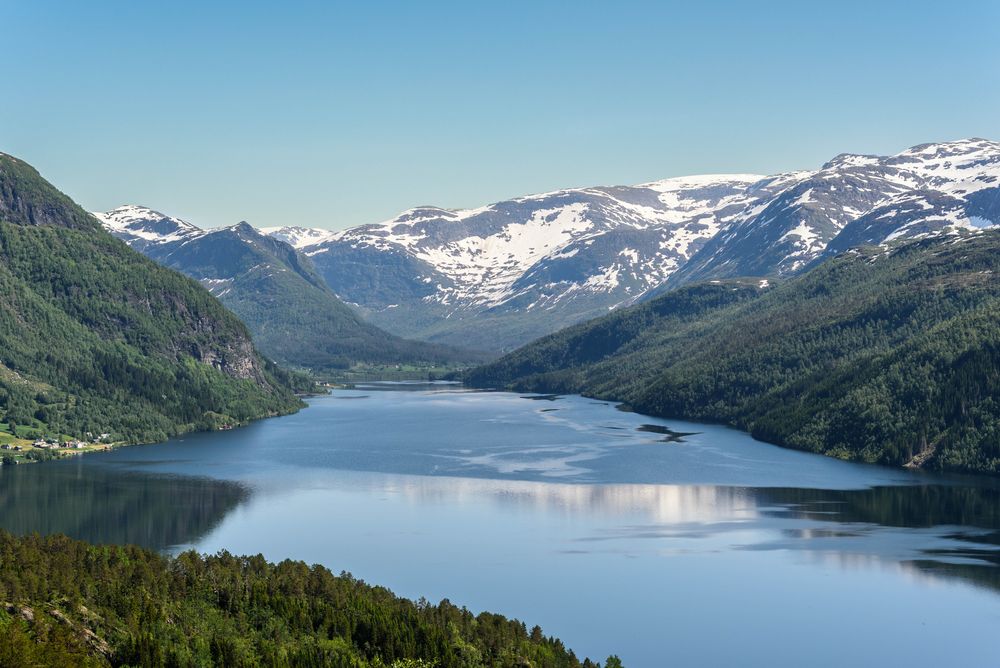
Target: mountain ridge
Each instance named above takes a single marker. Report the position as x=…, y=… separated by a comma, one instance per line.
x=452, y=270
x=497, y=276
x=510, y=271
x=293, y=315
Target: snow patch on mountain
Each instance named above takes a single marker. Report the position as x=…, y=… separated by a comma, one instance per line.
x=298, y=237
x=485, y=254
x=144, y=223
x=931, y=189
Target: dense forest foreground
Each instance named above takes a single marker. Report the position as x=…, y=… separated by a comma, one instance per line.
x=67, y=603
x=888, y=355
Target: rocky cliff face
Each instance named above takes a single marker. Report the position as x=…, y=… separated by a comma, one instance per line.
x=237, y=360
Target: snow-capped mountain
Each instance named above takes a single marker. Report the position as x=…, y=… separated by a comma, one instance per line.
x=141, y=226
x=497, y=276
x=529, y=265
x=298, y=237
x=215, y=257
x=854, y=200
x=956, y=189
x=294, y=317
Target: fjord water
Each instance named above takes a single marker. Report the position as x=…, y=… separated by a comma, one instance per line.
x=668, y=543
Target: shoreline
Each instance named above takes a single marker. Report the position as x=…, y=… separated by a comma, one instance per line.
x=10, y=457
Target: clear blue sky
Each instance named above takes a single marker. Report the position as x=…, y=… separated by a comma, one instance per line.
x=334, y=114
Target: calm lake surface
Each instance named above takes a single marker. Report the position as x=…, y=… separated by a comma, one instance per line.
x=662, y=541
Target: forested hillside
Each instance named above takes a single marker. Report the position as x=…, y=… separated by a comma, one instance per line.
x=96, y=339
x=880, y=355
x=67, y=603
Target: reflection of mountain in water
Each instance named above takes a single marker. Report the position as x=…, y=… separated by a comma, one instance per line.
x=911, y=506
x=102, y=505
x=950, y=528
x=957, y=526
x=929, y=530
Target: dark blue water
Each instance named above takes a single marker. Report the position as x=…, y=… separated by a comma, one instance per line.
x=662, y=541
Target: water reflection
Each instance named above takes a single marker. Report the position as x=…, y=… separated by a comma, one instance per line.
x=961, y=502
x=660, y=503
x=942, y=530
x=939, y=531
x=950, y=530
x=103, y=505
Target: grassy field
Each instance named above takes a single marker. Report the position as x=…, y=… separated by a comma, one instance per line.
x=6, y=438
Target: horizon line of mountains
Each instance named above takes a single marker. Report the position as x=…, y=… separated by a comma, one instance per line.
x=444, y=286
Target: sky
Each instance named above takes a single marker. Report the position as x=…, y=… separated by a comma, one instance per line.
x=330, y=114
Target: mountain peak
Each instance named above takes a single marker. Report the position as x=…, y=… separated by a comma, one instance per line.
x=851, y=160
x=699, y=181
x=144, y=223
x=120, y=334
x=419, y=214
x=946, y=149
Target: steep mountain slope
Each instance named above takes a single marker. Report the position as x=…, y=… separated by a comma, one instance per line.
x=503, y=274
x=96, y=338
x=293, y=315
x=855, y=200
x=883, y=355
x=957, y=188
